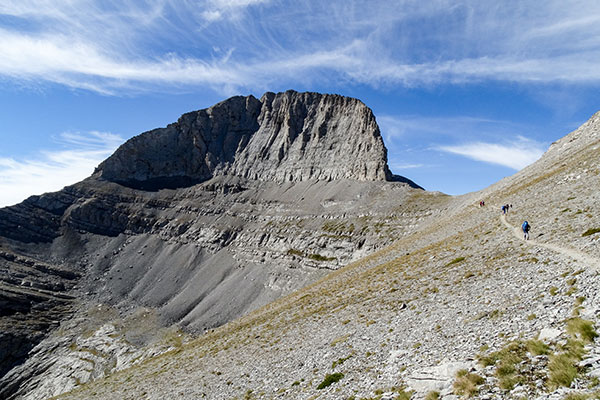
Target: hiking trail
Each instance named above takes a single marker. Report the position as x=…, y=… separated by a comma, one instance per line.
x=575, y=254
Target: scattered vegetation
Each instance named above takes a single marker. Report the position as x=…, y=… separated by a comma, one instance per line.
x=553, y=290
x=507, y=361
x=582, y=329
x=590, y=231
x=340, y=361
x=433, y=395
x=330, y=379
x=561, y=370
x=403, y=395
x=537, y=347
x=455, y=261
x=562, y=367
x=466, y=383
x=295, y=252
x=578, y=396
x=318, y=257
x=315, y=256
x=579, y=301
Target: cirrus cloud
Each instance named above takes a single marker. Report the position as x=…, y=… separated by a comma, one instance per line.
x=167, y=44
x=515, y=155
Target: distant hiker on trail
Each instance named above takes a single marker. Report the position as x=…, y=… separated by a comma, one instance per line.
x=503, y=209
x=525, y=227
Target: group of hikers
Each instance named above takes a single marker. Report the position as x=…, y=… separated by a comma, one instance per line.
x=525, y=227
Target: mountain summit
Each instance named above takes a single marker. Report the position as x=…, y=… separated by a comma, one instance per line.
x=284, y=137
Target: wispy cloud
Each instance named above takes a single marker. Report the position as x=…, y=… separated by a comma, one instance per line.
x=397, y=166
x=516, y=155
x=219, y=9
x=49, y=171
x=234, y=44
x=405, y=127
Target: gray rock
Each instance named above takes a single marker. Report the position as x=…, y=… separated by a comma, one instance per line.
x=437, y=378
x=549, y=334
x=284, y=137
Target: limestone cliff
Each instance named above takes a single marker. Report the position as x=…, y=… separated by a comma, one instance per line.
x=284, y=137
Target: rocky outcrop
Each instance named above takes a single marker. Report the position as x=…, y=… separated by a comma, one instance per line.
x=284, y=137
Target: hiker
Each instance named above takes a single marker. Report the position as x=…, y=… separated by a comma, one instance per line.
x=503, y=209
x=525, y=227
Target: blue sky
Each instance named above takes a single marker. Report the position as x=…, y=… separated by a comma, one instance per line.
x=465, y=92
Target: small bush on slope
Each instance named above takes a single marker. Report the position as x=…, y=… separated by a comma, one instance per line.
x=330, y=379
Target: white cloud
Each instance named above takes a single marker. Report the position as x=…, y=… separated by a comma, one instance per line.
x=515, y=155
x=51, y=170
x=158, y=44
x=396, y=166
x=62, y=60
x=218, y=9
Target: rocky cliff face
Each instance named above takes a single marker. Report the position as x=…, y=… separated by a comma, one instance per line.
x=285, y=137
x=198, y=223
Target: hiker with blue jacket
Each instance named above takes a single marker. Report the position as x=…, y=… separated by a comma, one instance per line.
x=525, y=227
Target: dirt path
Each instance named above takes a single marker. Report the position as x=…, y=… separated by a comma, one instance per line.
x=575, y=254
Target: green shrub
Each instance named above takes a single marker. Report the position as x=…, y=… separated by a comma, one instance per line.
x=590, y=231
x=433, y=395
x=506, y=361
x=537, y=347
x=574, y=348
x=466, y=383
x=582, y=329
x=455, y=261
x=403, y=395
x=330, y=379
x=561, y=371
x=340, y=361
x=318, y=257
x=577, y=396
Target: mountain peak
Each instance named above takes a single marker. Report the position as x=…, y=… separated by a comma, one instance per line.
x=283, y=137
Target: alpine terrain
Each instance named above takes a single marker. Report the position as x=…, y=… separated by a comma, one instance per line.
x=187, y=227
x=261, y=249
